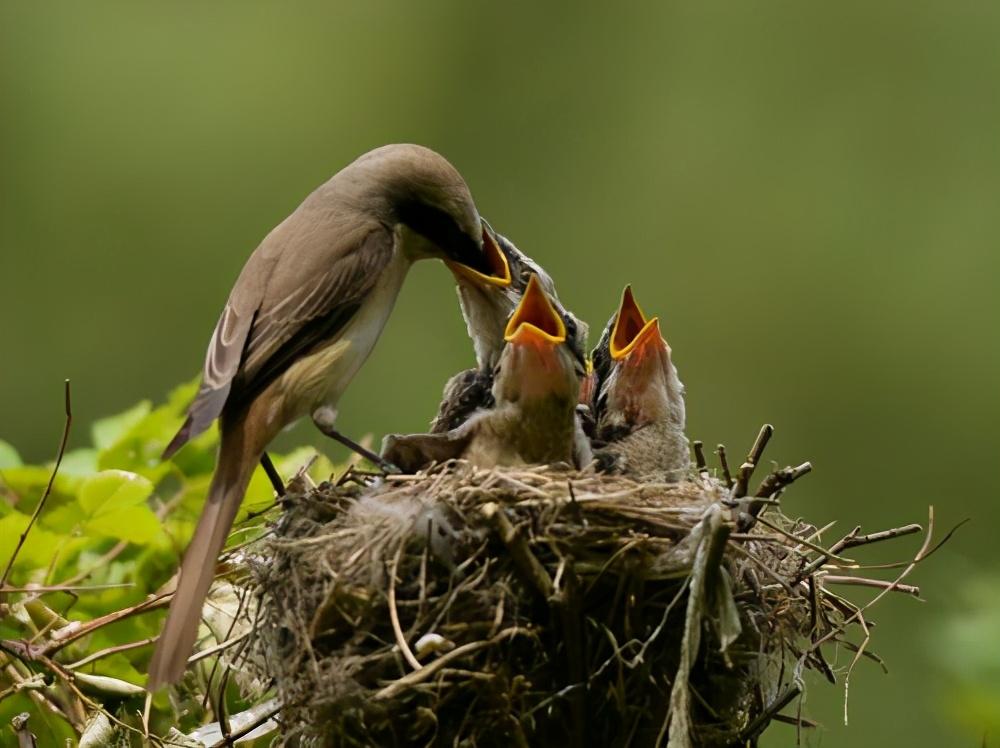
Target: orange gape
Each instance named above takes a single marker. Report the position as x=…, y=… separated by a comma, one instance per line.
x=633, y=333
x=535, y=320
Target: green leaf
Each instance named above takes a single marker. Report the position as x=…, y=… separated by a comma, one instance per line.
x=114, y=503
x=28, y=483
x=62, y=519
x=111, y=490
x=135, y=524
x=8, y=456
x=107, y=431
x=38, y=546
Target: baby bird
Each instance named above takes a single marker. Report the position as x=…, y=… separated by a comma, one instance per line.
x=487, y=302
x=535, y=391
x=638, y=400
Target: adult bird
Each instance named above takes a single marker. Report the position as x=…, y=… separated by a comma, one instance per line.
x=535, y=391
x=638, y=399
x=300, y=321
x=487, y=301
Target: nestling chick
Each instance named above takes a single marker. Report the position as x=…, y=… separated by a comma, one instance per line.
x=639, y=401
x=535, y=390
x=487, y=302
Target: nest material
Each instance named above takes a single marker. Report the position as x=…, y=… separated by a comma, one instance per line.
x=463, y=607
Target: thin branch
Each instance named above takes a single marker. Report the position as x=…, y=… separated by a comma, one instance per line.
x=526, y=561
x=110, y=651
x=781, y=478
x=853, y=540
x=875, y=537
x=48, y=488
x=720, y=450
x=756, y=727
x=881, y=584
x=419, y=676
x=247, y=729
x=397, y=629
x=68, y=588
x=753, y=459
x=699, y=456
x=79, y=631
x=902, y=575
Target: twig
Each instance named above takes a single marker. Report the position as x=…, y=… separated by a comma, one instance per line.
x=756, y=727
x=526, y=561
x=745, y=472
x=931, y=552
x=852, y=540
x=419, y=676
x=110, y=651
x=902, y=575
x=48, y=488
x=908, y=589
x=875, y=537
x=699, y=456
x=78, y=632
x=769, y=488
x=247, y=729
x=25, y=738
x=68, y=588
x=567, y=602
x=397, y=629
x=216, y=648
x=720, y=450
x=777, y=480
x=802, y=541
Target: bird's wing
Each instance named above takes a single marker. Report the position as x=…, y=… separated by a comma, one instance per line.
x=463, y=394
x=284, y=303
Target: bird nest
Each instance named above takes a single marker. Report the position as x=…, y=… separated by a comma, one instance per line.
x=542, y=606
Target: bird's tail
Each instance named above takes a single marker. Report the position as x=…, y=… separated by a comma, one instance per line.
x=235, y=466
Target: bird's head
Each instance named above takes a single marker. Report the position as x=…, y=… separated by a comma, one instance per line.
x=419, y=188
x=489, y=299
x=636, y=382
x=538, y=359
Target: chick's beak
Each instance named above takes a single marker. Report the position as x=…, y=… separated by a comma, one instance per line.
x=535, y=321
x=496, y=261
x=632, y=331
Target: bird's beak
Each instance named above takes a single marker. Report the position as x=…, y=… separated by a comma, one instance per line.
x=535, y=321
x=632, y=331
x=496, y=261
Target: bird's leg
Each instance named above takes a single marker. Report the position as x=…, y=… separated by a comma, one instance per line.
x=272, y=474
x=324, y=418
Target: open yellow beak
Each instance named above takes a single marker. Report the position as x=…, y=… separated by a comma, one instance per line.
x=535, y=320
x=632, y=330
x=496, y=261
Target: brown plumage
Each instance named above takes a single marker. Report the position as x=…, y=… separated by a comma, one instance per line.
x=535, y=392
x=638, y=400
x=487, y=301
x=300, y=321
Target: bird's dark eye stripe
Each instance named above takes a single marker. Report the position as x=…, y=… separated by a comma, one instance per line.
x=441, y=228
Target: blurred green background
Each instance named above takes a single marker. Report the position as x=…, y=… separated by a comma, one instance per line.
x=806, y=194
